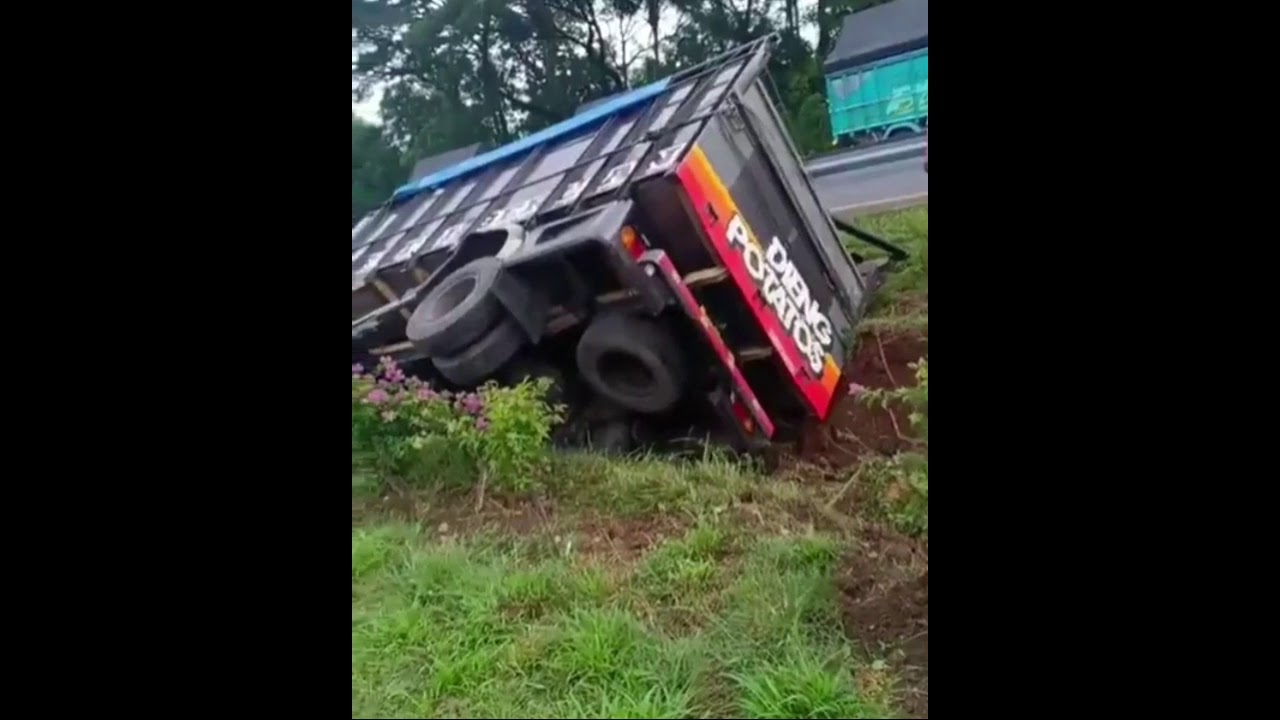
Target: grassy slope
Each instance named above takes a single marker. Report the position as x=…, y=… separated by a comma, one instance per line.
x=904, y=301
x=636, y=588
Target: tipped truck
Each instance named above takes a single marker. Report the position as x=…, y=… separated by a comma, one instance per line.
x=661, y=256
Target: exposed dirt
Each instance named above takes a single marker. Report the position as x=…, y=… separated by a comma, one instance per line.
x=595, y=536
x=855, y=429
x=624, y=539
x=885, y=602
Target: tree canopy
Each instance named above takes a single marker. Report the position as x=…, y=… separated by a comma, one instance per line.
x=457, y=72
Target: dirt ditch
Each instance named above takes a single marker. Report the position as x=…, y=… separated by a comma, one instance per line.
x=855, y=429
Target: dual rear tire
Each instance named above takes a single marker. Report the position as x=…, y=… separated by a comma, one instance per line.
x=463, y=327
x=470, y=336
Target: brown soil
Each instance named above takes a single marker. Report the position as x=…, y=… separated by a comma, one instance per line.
x=503, y=515
x=855, y=429
x=885, y=601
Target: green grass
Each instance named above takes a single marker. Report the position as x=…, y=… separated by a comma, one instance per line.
x=909, y=282
x=900, y=484
x=649, y=589
x=455, y=629
x=731, y=613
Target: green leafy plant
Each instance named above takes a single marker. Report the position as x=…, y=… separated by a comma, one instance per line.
x=510, y=438
x=915, y=397
x=503, y=431
x=902, y=481
x=902, y=490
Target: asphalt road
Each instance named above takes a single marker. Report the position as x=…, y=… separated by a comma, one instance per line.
x=894, y=183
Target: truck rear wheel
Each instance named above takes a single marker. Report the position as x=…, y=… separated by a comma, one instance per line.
x=459, y=311
x=632, y=361
x=484, y=358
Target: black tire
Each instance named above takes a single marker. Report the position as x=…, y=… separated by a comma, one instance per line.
x=484, y=358
x=459, y=311
x=632, y=361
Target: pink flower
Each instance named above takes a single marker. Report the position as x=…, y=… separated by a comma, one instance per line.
x=427, y=394
x=855, y=389
x=471, y=404
x=482, y=424
x=377, y=396
x=357, y=369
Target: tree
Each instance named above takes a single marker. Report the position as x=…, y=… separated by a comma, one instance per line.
x=463, y=71
x=458, y=72
x=376, y=169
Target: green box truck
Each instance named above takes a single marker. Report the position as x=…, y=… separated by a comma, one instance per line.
x=878, y=73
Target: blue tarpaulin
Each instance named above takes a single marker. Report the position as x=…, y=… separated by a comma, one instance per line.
x=566, y=127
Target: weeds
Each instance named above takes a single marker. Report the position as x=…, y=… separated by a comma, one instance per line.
x=902, y=482
x=801, y=684
x=915, y=396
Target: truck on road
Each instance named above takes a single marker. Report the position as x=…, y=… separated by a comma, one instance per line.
x=877, y=74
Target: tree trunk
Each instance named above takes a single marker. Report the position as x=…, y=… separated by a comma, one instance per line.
x=655, y=14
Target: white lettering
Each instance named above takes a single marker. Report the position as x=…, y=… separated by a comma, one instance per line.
x=737, y=232
x=372, y=260
x=616, y=176
x=819, y=322
x=525, y=210
x=448, y=238
x=755, y=261
x=495, y=219
x=796, y=286
x=572, y=192
x=773, y=292
x=777, y=256
x=786, y=292
x=516, y=214
x=410, y=248
x=666, y=158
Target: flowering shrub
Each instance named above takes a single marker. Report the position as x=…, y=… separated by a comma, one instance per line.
x=503, y=431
